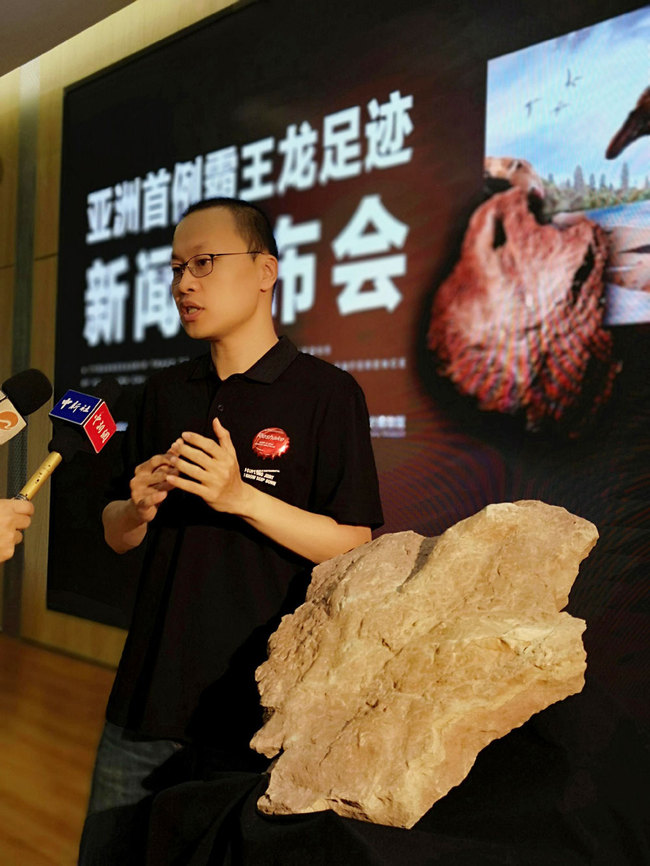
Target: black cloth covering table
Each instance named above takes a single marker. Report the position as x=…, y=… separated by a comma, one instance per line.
x=568, y=788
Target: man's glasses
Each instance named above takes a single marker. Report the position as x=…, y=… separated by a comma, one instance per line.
x=201, y=264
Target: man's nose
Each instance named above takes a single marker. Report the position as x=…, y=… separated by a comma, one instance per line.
x=187, y=281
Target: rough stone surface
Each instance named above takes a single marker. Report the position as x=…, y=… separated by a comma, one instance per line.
x=411, y=654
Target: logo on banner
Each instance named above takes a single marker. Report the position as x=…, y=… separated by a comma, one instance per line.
x=271, y=442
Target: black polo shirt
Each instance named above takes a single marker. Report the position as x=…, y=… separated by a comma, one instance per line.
x=213, y=588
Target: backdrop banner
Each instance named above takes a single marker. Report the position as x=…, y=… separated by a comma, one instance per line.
x=462, y=216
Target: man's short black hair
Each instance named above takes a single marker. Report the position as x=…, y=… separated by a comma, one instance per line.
x=251, y=221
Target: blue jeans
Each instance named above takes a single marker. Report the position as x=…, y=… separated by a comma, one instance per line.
x=127, y=771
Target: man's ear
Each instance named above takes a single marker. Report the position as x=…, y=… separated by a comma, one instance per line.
x=269, y=271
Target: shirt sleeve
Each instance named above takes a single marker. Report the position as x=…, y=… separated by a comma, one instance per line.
x=346, y=487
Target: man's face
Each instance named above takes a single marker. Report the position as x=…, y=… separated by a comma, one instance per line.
x=232, y=299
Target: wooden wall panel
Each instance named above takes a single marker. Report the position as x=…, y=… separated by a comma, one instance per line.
x=9, y=109
x=48, y=174
x=6, y=313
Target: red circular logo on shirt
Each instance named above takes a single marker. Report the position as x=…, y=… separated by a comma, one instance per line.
x=272, y=442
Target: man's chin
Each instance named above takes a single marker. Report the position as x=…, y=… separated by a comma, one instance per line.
x=196, y=333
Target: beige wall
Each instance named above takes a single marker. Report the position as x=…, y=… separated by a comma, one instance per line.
x=133, y=28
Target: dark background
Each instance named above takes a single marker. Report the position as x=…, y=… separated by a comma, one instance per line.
x=249, y=73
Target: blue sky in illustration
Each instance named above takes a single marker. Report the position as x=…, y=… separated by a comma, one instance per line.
x=579, y=88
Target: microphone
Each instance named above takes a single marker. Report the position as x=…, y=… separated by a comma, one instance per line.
x=21, y=395
x=88, y=423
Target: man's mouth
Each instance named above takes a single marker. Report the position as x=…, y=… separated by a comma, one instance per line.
x=189, y=312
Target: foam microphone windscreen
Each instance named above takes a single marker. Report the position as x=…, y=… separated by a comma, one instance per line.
x=28, y=390
x=68, y=441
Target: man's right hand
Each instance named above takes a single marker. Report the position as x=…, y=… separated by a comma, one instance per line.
x=148, y=486
x=126, y=521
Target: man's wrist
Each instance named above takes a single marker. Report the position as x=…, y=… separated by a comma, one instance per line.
x=131, y=515
x=247, y=504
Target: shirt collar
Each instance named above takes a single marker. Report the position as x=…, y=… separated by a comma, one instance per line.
x=267, y=369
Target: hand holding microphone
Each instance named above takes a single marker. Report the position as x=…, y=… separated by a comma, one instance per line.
x=20, y=395
x=89, y=421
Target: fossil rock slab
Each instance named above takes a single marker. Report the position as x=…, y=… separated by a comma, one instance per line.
x=411, y=654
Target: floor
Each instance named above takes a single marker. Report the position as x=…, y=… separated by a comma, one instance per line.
x=51, y=713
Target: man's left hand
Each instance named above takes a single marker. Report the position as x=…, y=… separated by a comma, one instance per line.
x=210, y=470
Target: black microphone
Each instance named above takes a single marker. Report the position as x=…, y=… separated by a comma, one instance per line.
x=82, y=422
x=21, y=395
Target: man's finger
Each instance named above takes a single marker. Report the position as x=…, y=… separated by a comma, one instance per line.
x=158, y=479
x=209, y=446
x=223, y=435
x=23, y=521
x=153, y=463
x=150, y=500
x=195, y=455
x=192, y=469
x=189, y=486
x=22, y=506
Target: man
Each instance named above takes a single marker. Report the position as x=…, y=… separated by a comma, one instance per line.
x=254, y=462
x=15, y=515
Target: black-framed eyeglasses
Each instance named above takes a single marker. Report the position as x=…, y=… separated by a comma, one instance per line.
x=201, y=264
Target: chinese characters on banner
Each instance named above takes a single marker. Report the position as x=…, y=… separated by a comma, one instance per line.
x=368, y=246
x=158, y=200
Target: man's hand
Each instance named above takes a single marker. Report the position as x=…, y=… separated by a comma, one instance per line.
x=149, y=486
x=15, y=515
x=212, y=470
x=126, y=520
